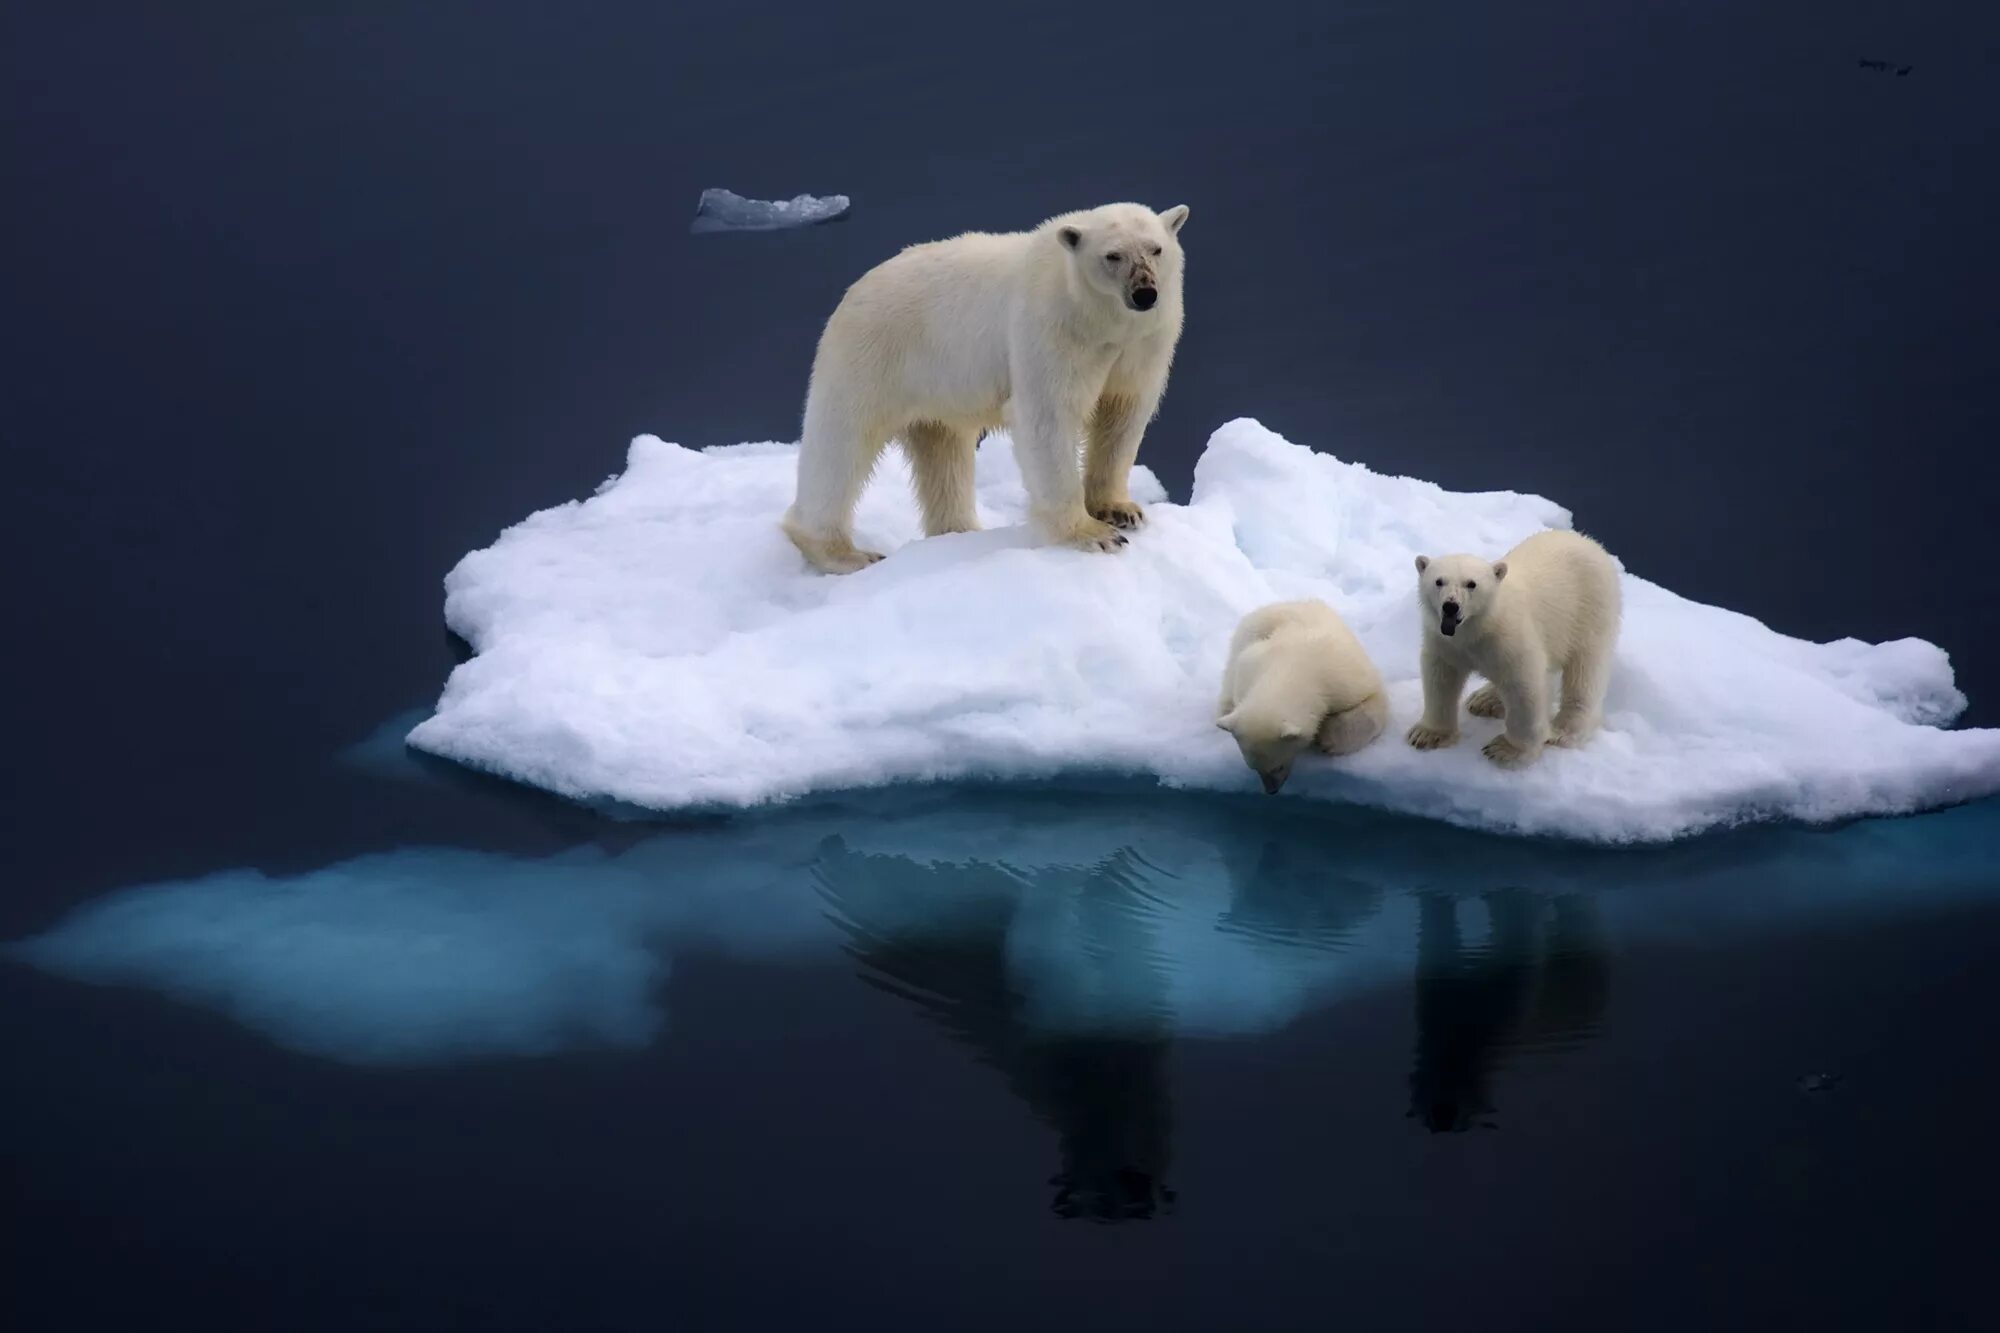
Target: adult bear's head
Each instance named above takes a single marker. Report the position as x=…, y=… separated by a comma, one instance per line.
x=1127, y=252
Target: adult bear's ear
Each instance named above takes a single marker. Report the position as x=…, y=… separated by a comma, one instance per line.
x=1423, y=563
x=1499, y=570
x=1070, y=237
x=1174, y=217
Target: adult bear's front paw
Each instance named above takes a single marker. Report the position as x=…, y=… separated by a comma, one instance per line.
x=1093, y=534
x=1118, y=513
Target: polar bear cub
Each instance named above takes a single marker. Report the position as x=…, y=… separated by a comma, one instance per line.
x=1063, y=334
x=1552, y=604
x=1297, y=676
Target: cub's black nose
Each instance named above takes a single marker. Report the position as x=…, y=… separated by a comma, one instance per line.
x=1144, y=297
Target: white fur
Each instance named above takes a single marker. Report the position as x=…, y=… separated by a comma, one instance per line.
x=948, y=340
x=1553, y=604
x=1297, y=676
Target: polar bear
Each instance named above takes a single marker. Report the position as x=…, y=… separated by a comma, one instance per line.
x=1298, y=676
x=1552, y=604
x=1063, y=334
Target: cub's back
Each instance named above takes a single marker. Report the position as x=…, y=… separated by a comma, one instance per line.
x=1308, y=632
x=1572, y=585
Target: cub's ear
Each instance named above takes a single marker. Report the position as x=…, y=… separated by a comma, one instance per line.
x=1070, y=237
x=1291, y=734
x=1423, y=563
x=1499, y=571
x=1174, y=217
x=1227, y=721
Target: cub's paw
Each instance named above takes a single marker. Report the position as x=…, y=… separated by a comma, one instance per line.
x=1118, y=513
x=1508, y=754
x=1430, y=738
x=1485, y=702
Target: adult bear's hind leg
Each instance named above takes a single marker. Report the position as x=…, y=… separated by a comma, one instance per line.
x=836, y=458
x=941, y=464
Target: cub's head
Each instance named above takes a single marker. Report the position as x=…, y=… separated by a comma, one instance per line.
x=1456, y=589
x=1269, y=743
x=1127, y=253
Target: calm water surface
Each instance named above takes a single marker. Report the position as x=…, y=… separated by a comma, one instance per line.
x=954, y=1057
x=303, y=302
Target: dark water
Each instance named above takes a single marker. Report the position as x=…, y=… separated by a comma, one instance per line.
x=886, y=1060
x=302, y=302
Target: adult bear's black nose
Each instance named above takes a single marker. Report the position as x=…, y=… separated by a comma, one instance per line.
x=1144, y=298
x=1451, y=609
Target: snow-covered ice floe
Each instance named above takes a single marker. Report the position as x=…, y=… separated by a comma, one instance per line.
x=662, y=645
x=725, y=210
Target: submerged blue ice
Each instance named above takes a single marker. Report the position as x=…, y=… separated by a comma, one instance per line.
x=1107, y=916
x=385, y=752
x=725, y=210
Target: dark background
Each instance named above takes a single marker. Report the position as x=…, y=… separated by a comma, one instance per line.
x=303, y=301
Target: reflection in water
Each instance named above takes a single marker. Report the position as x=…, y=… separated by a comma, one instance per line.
x=1105, y=1094
x=1569, y=1004
x=1296, y=891
x=1036, y=919
x=1538, y=980
x=1060, y=977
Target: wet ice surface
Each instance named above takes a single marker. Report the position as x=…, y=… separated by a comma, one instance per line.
x=725, y=210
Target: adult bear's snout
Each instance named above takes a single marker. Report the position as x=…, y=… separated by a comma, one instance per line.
x=1144, y=298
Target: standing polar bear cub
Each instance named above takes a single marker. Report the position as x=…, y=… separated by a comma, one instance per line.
x=1064, y=334
x=1297, y=676
x=1552, y=604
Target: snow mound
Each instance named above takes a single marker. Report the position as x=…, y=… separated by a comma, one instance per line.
x=662, y=645
x=725, y=210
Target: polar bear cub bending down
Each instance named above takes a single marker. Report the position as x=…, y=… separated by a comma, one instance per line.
x=1297, y=676
x=1068, y=330
x=1551, y=605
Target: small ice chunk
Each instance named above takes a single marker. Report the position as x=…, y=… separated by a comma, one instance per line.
x=725, y=210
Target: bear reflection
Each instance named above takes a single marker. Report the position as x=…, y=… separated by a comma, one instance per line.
x=1537, y=982
x=1290, y=890
x=1064, y=979
x=1084, y=1043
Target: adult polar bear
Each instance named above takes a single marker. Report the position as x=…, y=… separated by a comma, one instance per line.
x=1063, y=333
